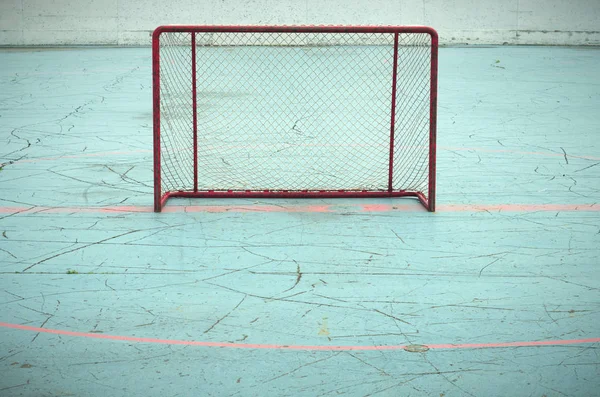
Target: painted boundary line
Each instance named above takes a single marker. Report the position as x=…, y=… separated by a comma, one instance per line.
x=446, y=148
x=295, y=347
x=291, y=208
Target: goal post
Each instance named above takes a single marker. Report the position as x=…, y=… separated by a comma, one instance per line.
x=294, y=112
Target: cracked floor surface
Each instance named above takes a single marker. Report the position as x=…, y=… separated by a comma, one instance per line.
x=293, y=297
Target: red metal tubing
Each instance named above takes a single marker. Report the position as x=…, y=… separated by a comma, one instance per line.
x=423, y=201
x=156, y=117
x=433, y=120
x=296, y=29
x=163, y=200
x=293, y=194
x=194, y=111
x=393, y=112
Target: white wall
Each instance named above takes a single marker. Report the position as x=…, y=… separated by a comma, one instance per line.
x=128, y=22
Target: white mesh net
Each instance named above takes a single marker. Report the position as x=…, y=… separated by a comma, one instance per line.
x=294, y=111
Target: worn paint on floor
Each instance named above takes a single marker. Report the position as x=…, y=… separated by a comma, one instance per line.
x=495, y=294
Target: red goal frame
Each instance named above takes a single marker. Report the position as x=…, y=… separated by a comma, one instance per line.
x=428, y=201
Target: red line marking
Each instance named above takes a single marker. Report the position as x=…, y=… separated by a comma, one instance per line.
x=518, y=207
x=293, y=347
x=547, y=154
x=455, y=149
x=330, y=208
x=75, y=156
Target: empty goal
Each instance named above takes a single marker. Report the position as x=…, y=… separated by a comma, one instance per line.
x=294, y=111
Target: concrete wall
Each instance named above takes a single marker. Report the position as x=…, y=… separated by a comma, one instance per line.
x=128, y=22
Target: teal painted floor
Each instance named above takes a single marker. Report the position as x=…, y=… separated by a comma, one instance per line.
x=499, y=289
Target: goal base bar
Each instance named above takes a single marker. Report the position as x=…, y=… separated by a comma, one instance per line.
x=159, y=204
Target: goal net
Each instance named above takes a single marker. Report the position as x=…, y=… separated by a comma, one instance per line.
x=294, y=111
